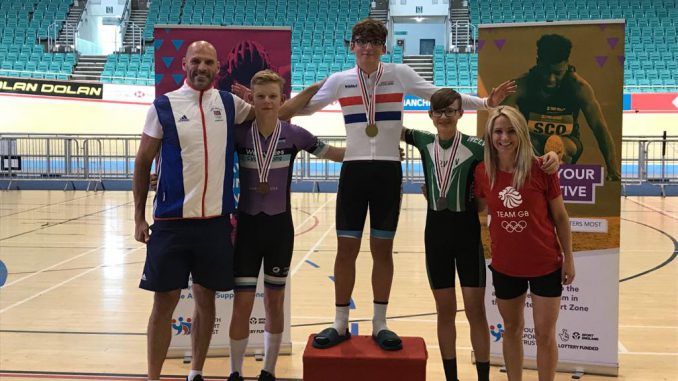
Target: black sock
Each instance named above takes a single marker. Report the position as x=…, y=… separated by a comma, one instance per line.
x=483, y=369
x=450, y=366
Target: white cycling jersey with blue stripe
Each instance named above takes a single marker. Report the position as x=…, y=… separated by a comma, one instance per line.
x=396, y=81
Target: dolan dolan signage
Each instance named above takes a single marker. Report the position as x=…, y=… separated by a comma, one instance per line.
x=70, y=89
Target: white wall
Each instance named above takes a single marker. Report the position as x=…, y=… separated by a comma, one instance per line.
x=89, y=31
x=92, y=29
x=416, y=32
x=48, y=116
x=98, y=7
x=428, y=7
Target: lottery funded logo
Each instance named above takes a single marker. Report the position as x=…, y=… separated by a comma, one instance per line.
x=564, y=335
x=577, y=340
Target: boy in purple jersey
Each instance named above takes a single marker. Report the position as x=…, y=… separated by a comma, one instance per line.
x=266, y=151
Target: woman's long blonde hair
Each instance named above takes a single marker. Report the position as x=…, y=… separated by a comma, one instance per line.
x=524, y=154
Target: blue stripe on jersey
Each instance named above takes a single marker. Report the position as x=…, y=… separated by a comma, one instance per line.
x=388, y=115
x=170, y=195
x=228, y=198
x=380, y=116
x=355, y=118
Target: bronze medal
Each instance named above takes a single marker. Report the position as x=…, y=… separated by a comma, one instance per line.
x=264, y=160
x=371, y=130
x=263, y=188
x=443, y=169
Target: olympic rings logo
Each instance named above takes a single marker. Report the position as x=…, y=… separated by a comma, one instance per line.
x=514, y=226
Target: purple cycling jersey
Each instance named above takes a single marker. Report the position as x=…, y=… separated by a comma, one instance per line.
x=277, y=200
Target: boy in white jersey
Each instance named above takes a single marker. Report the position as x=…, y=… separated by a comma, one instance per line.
x=371, y=98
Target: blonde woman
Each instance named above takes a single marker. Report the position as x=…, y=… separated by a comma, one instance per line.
x=531, y=240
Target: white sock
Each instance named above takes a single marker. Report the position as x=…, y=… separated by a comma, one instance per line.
x=238, y=348
x=379, y=317
x=193, y=373
x=271, y=350
x=341, y=320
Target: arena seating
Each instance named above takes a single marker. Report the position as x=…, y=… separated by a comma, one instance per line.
x=454, y=69
x=318, y=38
x=319, y=49
x=130, y=69
x=161, y=12
x=23, y=25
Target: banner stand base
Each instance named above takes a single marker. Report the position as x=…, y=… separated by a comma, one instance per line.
x=576, y=369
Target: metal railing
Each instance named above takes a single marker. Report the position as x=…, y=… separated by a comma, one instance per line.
x=136, y=33
x=463, y=34
x=68, y=31
x=653, y=159
x=83, y=16
x=90, y=158
x=127, y=11
x=95, y=158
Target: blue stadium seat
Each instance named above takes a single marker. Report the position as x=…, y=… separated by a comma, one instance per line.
x=309, y=78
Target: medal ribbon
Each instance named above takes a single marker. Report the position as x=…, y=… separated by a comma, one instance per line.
x=443, y=173
x=369, y=102
x=264, y=160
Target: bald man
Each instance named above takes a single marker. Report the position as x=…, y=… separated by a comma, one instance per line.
x=191, y=129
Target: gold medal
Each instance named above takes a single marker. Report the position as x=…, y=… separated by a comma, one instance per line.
x=263, y=188
x=371, y=130
x=369, y=98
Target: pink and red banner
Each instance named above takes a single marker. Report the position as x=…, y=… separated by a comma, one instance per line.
x=241, y=52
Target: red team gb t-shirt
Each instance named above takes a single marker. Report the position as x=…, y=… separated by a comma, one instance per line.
x=524, y=241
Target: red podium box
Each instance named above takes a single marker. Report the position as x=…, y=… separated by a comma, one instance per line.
x=360, y=358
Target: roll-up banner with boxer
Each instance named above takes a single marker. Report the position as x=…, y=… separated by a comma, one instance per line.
x=570, y=79
x=241, y=52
